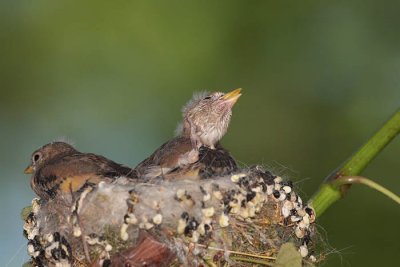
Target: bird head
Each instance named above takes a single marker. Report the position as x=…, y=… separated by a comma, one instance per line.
x=209, y=115
x=46, y=153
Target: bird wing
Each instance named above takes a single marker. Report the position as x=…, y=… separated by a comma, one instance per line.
x=211, y=163
x=71, y=172
x=174, y=160
x=167, y=157
x=215, y=162
x=84, y=164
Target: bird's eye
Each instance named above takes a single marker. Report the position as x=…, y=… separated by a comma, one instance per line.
x=207, y=97
x=36, y=157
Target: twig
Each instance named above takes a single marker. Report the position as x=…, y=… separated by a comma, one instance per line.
x=369, y=183
x=252, y=260
x=238, y=252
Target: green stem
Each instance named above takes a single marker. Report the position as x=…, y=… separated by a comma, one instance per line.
x=357, y=162
x=324, y=198
x=362, y=180
x=328, y=193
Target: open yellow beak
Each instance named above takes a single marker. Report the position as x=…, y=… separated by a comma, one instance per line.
x=232, y=96
x=28, y=170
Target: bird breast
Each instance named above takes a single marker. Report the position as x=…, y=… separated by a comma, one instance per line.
x=211, y=136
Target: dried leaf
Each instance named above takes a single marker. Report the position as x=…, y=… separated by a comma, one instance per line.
x=288, y=256
x=25, y=212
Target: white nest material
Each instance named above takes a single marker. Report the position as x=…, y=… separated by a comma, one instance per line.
x=104, y=221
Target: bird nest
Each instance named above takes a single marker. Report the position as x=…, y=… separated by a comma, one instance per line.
x=237, y=220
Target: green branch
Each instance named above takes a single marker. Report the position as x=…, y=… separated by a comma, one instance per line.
x=362, y=180
x=329, y=192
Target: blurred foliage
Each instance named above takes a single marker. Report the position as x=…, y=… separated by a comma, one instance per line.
x=288, y=256
x=318, y=79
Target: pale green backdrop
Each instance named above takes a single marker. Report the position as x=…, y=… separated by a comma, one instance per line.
x=318, y=78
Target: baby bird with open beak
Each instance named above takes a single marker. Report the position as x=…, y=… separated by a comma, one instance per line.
x=195, y=152
x=206, y=118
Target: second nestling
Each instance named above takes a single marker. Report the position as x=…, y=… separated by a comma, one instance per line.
x=58, y=168
x=195, y=152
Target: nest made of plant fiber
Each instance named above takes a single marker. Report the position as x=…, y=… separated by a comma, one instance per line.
x=235, y=220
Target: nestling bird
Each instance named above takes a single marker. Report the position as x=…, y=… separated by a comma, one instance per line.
x=58, y=168
x=195, y=151
x=206, y=118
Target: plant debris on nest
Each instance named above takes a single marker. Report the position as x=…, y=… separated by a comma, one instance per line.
x=230, y=220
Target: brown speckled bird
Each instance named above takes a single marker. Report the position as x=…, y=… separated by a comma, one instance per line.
x=195, y=152
x=58, y=168
x=206, y=117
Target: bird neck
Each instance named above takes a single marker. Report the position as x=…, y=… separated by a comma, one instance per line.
x=185, y=129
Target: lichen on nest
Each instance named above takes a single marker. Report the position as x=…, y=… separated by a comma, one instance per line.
x=170, y=223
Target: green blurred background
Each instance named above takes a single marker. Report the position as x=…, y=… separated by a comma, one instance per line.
x=318, y=79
